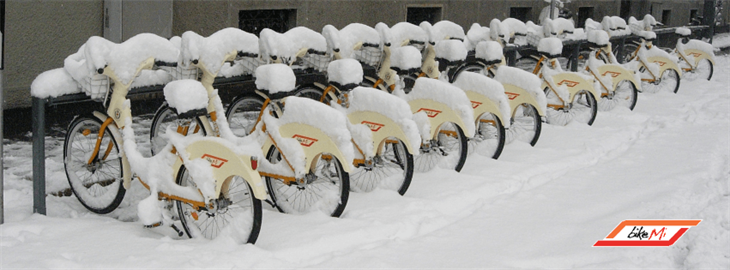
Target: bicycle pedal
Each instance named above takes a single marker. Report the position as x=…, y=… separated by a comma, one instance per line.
x=155, y=225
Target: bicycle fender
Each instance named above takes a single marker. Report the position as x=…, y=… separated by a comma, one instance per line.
x=382, y=127
x=126, y=169
x=518, y=96
x=225, y=164
x=618, y=74
x=698, y=55
x=482, y=104
x=664, y=64
x=439, y=113
x=314, y=142
x=575, y=83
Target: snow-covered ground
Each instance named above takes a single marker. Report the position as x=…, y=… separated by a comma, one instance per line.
x=541, y=207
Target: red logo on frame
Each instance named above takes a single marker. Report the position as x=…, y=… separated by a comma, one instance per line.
x=430, y=112
x=215, y=162
x=373, y=126
x=511, y=96
x=304, y=140
x=568, y=83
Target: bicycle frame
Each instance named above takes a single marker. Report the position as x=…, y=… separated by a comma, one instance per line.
x=698, y=55
x=617, y=72
x=663, y=62
x=224, y=162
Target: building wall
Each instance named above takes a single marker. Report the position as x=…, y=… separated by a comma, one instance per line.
x=38, y=36
x=41, y=33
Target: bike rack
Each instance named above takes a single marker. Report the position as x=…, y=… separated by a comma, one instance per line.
x=245, y=82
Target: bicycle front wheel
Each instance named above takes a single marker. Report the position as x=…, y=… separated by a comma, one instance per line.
x=669, y=81
x=583, y=109
x=490, y=137
x=703, y=71
x=448, y=149
x=236, y=213
x=525, y=125
x=96, y=180
x=624, y=95
x=325, y=188
x=391, y=169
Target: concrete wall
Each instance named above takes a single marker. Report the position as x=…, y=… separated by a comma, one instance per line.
x=38, y=36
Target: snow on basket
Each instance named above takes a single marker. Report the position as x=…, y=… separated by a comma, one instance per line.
x=212, y=50
x=683, y=31
x=370, y=53
x=444, y=29
x=485, y=86
x=345, y=71
x=186, y=95
x=404, y=32
x=598, y=37
x=273, y=44
x=275, y=78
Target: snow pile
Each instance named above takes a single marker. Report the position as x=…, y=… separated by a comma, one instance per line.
x=125, y=58
x=212, y=50
x=151, y=77
x=314, y=113
x=53, y=83
x=489, y=51
x=516, y=26
x=598, y=37
x=303, y=37
x=499, y=31
x=590, y=24
x=273, y=44
x=356, y=34
x=345, y=71
x=403, y=32
x=646, y=24
x=405, y=58
x=476, y=34
x=564, y=25
x=560, y=90
x=646, y=35
x=426, y=26
x=332, y=37
x=451, y=50
x=622, y=28
x=488, y=87
x=186, y=95
x=393, y=107
x=444, y=29
x=551, y=46
x=522, y=79
x=275, y=78
x=451, y=96
x=386, y=36
x=683, y=31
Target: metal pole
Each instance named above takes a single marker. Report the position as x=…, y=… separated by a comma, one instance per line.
x=2, y=154
x=552, y=7
x=39, y=156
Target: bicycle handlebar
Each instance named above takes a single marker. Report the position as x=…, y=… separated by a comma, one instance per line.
x=160, y=63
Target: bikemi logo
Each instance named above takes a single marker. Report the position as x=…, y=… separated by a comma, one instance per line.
x=215, y=162
x=646, y=233
x=431, y=113
x=612, y=73
x=695, y=54
x=511, y=96
x=660, y=63
x=373, y=126
x=570, y=84
x=304, y=141
x=475, y=104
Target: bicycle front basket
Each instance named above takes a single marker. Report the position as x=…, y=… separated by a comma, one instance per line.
x=96, y=86
x=370, y=56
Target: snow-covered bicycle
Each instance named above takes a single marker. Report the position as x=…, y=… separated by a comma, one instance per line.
x=213, y=184
x=618, y=85
x=696, y=57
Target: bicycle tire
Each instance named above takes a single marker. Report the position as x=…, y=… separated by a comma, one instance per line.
x=394, y=159
x=490, y=138
x=206, y=223
x=101, y=190
x=243, y=113
x=457, y=146
x=525, y=125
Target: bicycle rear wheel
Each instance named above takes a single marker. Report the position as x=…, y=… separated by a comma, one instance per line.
x=98, y=184
x=165, y=117
x=326, y=187
x=236, y=213
x=669, y=81
x=624, y=95
x=448, y=149
x=243, y=113
x=392, y=169
x=583, y=109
